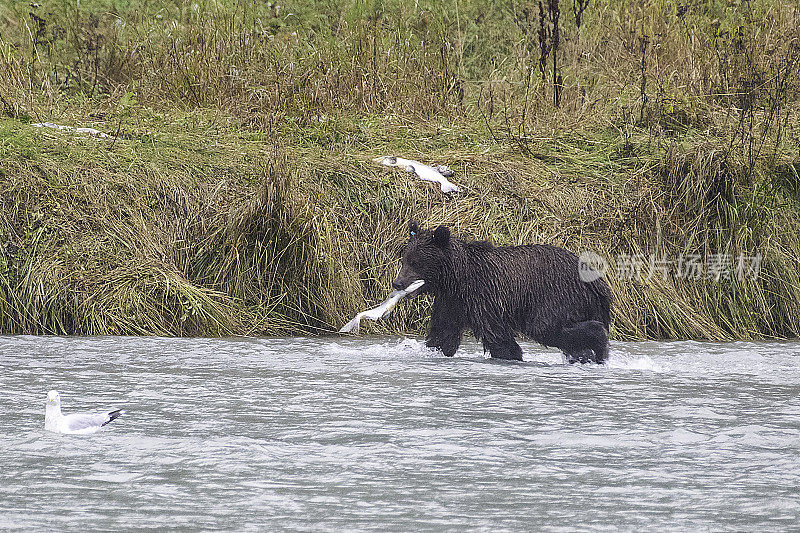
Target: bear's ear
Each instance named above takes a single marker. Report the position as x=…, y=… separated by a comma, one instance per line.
x=413, y=228
x=441, y=236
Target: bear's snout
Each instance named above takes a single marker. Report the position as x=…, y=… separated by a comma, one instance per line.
x=398, y=285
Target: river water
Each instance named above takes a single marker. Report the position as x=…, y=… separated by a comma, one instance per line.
x=383, y=434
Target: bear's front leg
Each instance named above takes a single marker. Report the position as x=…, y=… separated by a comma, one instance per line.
x=446, y=330
x=505, y=349
x=447, y=342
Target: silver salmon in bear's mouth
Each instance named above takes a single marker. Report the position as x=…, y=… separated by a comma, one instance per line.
x=383, y=310
x=413, y=290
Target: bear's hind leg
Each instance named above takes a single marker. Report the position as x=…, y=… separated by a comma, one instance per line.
x=498, y=338
x=584, y=342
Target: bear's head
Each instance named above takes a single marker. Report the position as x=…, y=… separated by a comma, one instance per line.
x=423, y=258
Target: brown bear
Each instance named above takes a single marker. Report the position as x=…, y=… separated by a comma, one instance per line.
x=500, y=291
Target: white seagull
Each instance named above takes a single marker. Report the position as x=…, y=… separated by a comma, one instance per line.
x=383, y=310
x=76, y=423
x=438, y=174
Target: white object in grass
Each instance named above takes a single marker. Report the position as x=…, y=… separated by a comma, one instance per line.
x=438, y=174
x=90, y=131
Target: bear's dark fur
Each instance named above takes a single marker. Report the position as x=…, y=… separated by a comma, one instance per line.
x=498, y=292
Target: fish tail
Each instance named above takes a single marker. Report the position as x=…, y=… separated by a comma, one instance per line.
x=351, y=327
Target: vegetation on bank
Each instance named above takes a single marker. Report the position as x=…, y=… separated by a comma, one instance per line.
x=237, y=193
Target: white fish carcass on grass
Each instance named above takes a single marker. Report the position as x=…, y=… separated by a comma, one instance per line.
x=90, y=131
x=438, y=174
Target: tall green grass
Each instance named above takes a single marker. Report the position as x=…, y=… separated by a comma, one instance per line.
x=239, y=196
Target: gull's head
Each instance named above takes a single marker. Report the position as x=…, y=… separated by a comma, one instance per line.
x=53, y=398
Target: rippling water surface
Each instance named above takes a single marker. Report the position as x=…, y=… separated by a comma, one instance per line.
x=384, y=434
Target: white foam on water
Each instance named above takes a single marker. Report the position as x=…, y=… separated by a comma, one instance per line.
x=626, y=361
x=381, y=348
x=535, y=353
x=415, y=348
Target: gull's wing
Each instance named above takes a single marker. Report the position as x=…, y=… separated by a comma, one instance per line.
x=84, y=421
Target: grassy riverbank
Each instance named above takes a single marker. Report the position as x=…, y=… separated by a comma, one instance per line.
x=240, y=196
